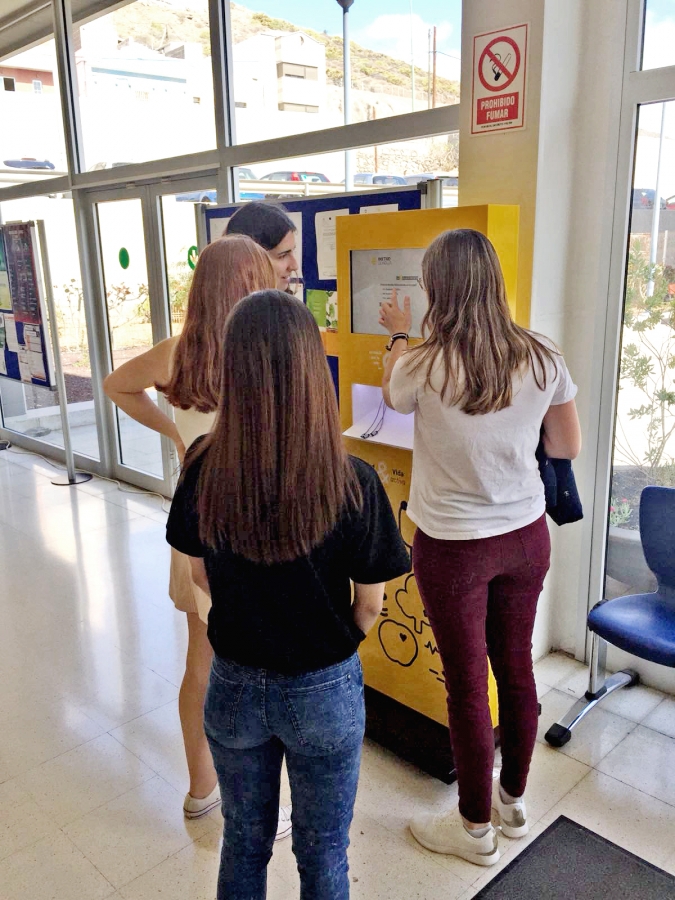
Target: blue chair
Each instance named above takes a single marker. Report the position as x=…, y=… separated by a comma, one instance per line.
x=641, y=624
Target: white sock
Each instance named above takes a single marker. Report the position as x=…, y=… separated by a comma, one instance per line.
x=507, y=798
x=477, y=832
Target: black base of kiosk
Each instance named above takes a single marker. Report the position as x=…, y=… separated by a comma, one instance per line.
x=413, y=737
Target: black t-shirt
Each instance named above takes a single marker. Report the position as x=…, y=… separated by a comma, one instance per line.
x=293, y=617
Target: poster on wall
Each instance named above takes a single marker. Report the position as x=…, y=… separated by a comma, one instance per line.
x=5, y=299
x=375, y=274
x=498, y=80
x=25, y=351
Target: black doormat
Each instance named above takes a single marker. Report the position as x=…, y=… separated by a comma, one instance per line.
x=569, y=862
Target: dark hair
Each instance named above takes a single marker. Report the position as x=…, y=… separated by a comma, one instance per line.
x=275, y=477
x=471, y=329
x=227, y=270
x=266, y=223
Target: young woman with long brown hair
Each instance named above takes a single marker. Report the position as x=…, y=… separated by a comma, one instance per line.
x=483, y=390
x=188, y=369
x=277, y=520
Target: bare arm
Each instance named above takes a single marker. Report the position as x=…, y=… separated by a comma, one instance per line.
x=199, y=574
x=367, y=606
x=562, y=432
x=126, y=388
x=395, y=320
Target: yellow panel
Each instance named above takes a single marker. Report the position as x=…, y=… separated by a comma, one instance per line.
x=400, y=656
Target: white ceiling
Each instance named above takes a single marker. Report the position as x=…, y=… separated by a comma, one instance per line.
x=24, y=23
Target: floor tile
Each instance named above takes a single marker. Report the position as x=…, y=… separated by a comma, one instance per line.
x=23, y=825
x=156, y=738
x=52, y=869
x=662, y=719
x=593, y=738
x=31, y=738
x=626, y=816
x=83, y=779
x=634, y=703
x=556, y=667
x=646, y=761
x=135, y=832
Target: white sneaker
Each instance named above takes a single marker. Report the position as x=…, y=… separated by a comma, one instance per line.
x=195, y=809
x=513, y=816
x=445, y=833
x=284, y=827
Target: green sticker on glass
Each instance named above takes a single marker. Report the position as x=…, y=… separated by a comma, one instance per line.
x=193, y=253
x=124, y=258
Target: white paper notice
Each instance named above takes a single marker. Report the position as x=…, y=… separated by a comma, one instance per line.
x=386, y=207
x=3, y=364
x=296, y=219
x=10, y=334
x=218, y=226
x=24, y=365
x=375, y=274
x=326, y=244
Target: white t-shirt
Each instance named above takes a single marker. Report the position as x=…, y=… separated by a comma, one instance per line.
x=476, y=476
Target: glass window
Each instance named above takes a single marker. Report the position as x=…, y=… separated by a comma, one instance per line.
x=145, y=83
x=34, y=410
x=381, y=167
x=33, y=148
x=180, y=248
x=659, y=35
x=288, y=71
x=644, y=438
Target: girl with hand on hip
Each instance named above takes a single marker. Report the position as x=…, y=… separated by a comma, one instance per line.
x=187, y=369
x=482, y=388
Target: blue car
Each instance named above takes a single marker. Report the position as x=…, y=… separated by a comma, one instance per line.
x=27, y=162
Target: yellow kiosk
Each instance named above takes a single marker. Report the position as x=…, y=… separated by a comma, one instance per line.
x=405, y=693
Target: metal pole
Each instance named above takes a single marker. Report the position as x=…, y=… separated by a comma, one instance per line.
x=347, y=78
x=433, y=90
x=429, y=69
x=412, y=56
x=73, y=477
x=657, y=206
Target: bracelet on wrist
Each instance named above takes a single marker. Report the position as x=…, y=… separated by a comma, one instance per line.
x=400, y=335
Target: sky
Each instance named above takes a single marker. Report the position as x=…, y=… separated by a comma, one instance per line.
x=382, y=25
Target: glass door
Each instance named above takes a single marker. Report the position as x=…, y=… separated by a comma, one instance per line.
x=644, y=429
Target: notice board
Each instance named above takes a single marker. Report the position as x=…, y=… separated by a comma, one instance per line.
x=24, y=345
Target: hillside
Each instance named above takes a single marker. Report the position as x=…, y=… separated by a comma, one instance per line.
x=154, y=23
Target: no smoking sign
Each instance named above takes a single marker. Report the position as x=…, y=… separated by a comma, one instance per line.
x=498, y=84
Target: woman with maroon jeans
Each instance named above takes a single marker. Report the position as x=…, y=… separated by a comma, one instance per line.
x=483, y=389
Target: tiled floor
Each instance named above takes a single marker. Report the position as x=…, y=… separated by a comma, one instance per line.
x=92, y=773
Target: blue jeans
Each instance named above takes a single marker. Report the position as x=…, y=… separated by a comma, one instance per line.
x=254, y=718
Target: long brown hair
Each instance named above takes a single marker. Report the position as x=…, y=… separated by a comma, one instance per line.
x=275, y=476
x=470, y=326
x=227, y=270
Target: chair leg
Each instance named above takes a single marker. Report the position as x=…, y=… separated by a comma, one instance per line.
x=599, y=687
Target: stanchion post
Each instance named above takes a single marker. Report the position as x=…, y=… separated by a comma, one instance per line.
x=72, y=477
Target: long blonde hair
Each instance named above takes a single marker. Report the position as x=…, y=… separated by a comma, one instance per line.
x=227, y=270
x=470, y=328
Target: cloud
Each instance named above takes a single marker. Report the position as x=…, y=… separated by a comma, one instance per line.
x=659, y=46
x=390, y=34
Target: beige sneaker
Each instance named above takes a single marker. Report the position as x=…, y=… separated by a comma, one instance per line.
x=195, y=809
x=513, y=816
x=445, y=833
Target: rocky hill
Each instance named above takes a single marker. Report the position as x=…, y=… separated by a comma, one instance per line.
x=156, y=23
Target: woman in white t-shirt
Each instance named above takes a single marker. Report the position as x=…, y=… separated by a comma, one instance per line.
x=483, y=390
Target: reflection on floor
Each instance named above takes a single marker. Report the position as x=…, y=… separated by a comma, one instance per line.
x=91, y=767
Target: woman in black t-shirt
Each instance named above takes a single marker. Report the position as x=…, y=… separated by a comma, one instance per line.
x=277, y=521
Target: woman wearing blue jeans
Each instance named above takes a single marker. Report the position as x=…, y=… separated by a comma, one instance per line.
x=277, y=521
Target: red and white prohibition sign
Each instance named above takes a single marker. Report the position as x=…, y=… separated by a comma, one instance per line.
x=498, y=88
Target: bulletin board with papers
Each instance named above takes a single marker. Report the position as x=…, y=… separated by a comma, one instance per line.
x=24, y=347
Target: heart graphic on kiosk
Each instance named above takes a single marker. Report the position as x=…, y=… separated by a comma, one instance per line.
x=398, y=642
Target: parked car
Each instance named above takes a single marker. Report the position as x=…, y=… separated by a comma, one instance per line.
x=643, y=198
x=212, y=197
x=670, y=202
x=296, y=176
x=99, y=166
x=27, y=162
x=452, y=180
x=379, y=178
x=246, y=174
